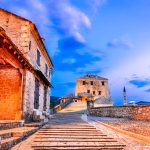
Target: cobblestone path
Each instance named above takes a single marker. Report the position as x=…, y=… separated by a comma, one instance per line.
x=67, y=130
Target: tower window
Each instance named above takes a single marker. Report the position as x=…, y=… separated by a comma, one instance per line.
x=103, y=83
x=99, y=92
x=38, y=58
x=29, y=45
x=93, y=92
x=88, y=91
x=83, y=83
x=46, y=70
x=91, y=82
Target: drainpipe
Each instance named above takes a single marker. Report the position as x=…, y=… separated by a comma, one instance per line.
x=23, y=92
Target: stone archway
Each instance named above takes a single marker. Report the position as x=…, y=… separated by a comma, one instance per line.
x=10, y=91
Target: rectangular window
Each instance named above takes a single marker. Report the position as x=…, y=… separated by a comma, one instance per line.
x=99, y=92
x=38, y=58
x=45, y=99
x=103, y=83
x=93, y=92
x=36, y=94
x=91, y=82
x=88, y=91
x=29, y=45
x=83, y=82
x=46, y=70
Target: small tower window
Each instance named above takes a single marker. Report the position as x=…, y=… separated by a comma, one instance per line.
x=93, y=92
x=46, y=70
x=83, y=82
x=88, y=91
x=38, y=58
x=99, y=92
x=91, y=82
x=103, y=83
x=29, y=45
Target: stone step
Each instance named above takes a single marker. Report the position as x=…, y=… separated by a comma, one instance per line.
x=76, y=144
x=65, y=128
x=11, y=137
x=72, y=137
x=9, y=142
x=5, y=135
x=71, y=133
x=73, y=140
x=78, y=148
x=68, y=129
x=81, y=132
x=4, y=125
x=33, y=124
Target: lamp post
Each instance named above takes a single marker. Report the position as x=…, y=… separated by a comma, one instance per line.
x=124, y=95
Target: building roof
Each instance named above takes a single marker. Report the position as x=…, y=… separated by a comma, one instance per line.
x=5, y=42
x=90, y=76
x=34, y=27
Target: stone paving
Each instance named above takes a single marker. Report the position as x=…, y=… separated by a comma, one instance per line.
x=72, y=129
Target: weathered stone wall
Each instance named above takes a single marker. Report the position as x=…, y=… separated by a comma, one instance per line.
x=29, y=94
x=19, y=30
x=20, y=33
x=137, y=112
x=10, y=94
x=97, y=86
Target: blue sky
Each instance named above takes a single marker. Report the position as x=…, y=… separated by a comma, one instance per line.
x=110, y=38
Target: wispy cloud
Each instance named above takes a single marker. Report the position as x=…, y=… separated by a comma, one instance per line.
x=68, y=20
x=120, y=43
x=69, y=60
x=95, y=4
x=61, y=16
x=140, y=82
x=148, y=90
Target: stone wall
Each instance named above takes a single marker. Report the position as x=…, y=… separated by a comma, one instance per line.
x=136, y=112
x=10, y=89
x=25, y=38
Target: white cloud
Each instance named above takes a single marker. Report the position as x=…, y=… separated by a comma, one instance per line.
x=69, y=60
x=120, y=43
x=97, y=3
x=59, y=15
x=69, y=19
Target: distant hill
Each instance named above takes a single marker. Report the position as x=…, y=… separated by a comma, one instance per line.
x=142, y=103
x=54, y=100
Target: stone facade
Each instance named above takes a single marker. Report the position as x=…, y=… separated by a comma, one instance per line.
x=136, y=112
x=92, y=86
x=25, y=36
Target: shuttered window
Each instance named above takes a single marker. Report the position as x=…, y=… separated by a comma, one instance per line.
x=36, y=94
x=45, y=98
x=38, y=58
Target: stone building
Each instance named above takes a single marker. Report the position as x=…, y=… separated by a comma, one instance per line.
x=25, y=70
x=93, y=87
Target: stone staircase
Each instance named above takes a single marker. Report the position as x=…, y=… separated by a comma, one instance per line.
x=12, y=136
x=76, y=136
x=66, y=130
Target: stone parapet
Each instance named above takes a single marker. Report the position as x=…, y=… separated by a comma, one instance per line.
x=135, y=112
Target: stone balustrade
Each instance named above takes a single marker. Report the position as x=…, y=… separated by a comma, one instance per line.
x=135, y=112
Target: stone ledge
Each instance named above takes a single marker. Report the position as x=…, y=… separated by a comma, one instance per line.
x=130, y=134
